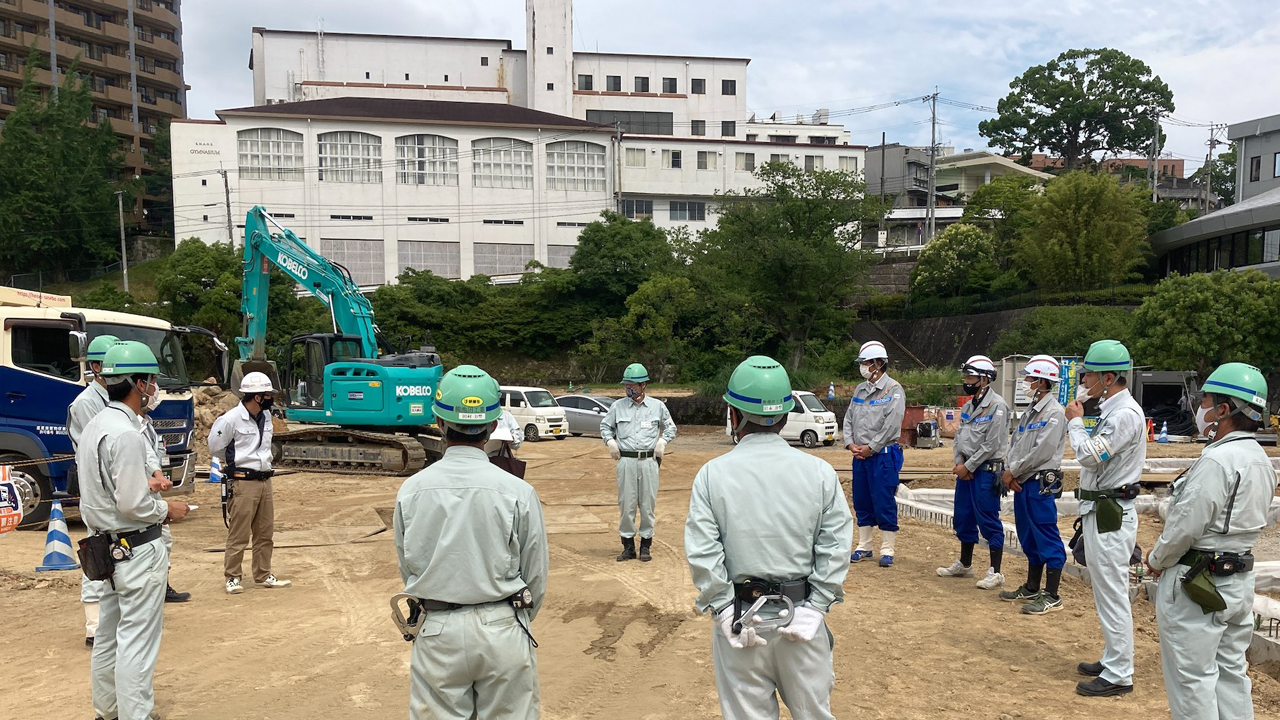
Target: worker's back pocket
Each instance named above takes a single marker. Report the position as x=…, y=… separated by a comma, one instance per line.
x=497, y=615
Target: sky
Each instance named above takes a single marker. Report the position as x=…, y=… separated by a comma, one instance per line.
x=835, y=54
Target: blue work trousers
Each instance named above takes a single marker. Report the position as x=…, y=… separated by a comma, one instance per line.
x=1036, y=516
x=875, y=485
x=978, y=507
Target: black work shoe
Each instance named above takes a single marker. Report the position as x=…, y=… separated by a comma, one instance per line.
x=173, y=596
x=1098, y=687
x=645, y=543
x=628, y=549
x=1089, y=669
x=88, y=642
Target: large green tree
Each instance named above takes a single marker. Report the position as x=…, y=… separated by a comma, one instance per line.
x=961, y=260
x=1063, y=331
x=58, y=176
x=1086, y=231
x=615, y=256
x=1224, y=176
x=1080, y=103
x=1003, y=207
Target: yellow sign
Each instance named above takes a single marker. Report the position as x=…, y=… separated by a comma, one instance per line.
x=472, y=401
x=375, y=383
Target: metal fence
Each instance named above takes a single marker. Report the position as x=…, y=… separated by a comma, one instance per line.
x=42, y=279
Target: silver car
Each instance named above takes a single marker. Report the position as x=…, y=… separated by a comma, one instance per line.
x=584, y=412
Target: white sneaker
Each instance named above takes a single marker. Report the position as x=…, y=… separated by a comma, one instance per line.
x=272, y=582
x=992, y=581
x=956, y=570
x=234, y=587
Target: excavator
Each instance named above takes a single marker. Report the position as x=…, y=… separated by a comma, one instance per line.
x=368, y=409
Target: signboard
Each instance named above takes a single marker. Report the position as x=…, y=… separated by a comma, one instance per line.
x=10, y=503
x=1067, y=388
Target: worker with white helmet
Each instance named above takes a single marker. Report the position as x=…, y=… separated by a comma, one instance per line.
x=979, y=448
x=1034, y=474
x=767, y=538
x=872, y=425
x=241, y=440
x=1204, y=557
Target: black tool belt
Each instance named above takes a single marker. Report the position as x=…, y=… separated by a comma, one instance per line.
x=992, y=466
x=1221, y=564
x=138, y=537
x=1050, y=482
x=797, y=591
x=251, y=474
x=100, y=552
x=1127, y=492
x=640, y=455
x=521, y=600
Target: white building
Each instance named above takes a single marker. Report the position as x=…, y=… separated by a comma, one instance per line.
x=466, y=156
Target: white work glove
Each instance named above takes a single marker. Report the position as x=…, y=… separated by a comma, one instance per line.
x=804, y=624
x=659, y=448
x=614, y=451
x=738, y=641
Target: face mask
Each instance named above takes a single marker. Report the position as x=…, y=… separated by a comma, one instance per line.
x=150, y=396
x=866, y=371
x=266, y=402
x=1028, y=388
x=1082, y=393
x=1202, y=421
x=153, y=401
x=634, y=392
x=970, y=388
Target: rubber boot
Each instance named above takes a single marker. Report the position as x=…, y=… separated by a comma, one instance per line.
x=645, y=544
x=628, y=549
x=90, y=622
x=887, y=541
x=866, y=534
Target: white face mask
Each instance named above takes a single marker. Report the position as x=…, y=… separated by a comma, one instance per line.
x=1202, y=420
x=1082, y=393
x=151, y=397
x=1028, y=388
x=866, y=371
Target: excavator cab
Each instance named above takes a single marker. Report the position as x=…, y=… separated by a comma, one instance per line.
x=309, y=355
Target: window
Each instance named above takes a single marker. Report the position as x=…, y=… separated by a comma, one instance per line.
x=501, y=258
x=671, y=159
x=1239, y=249
x=558, y=255
x=636, y=157
x=782, y=138
x=1271, y=245
x=585, y=82
x=637, y=123
x=848, y=164
x=427, y=220
x=565, y=224
x=728, y=87
x=503, y=222
x=813, y=162
x=551, y=51
x=1255, y=168
x=502, y=163
x=205, y=182
x=206, y=218
x=1253, y=255
x=270, y=154
x=752, y=137
x=550, y=86
x=575, y=165
x=698, y=127
x=364, y=258
x=613, y=83
x=426, y=160
x=637, y=209
x=484, y=62
x=1275, y=171
x=669, y=86
x=780, y=158
x=44, y=349
x=698, y=86
x=745, y=162
x=351, y=217
x=441, y=258
x=728, y=128
x=690, y=211
x=821, y=140
x=352, y=157
x=707, y=160
x=642, y=84
x=406, y=77
x=366, y=76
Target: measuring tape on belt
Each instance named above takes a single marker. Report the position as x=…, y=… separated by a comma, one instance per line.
x=42, y=461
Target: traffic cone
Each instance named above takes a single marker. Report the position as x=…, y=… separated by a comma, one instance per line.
x=571, y=386
x=215, y=471
x=57, y=546
x=831, y=391
x=1164, y=433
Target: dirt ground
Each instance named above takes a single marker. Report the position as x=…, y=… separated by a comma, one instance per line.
x=618, y=640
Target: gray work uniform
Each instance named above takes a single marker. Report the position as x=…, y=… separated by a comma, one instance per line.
x=874, y=416
x=1220, y=505
x=1040, y=440
x=767, y=510
x=983, y=433
x=468, y=532
x=1123, y=423
x=114, y=498
x=637, y=427
x=156, y=452
x=91, y=401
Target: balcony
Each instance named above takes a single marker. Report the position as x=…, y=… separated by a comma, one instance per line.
x=168, y=107
x=168, y=78
x=158, y=13
x=122, y=95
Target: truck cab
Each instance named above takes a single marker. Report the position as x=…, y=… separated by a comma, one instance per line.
x=536, y=411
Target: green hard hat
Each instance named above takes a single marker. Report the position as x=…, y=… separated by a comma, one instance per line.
x=1239, y=380
x=635, y=373
x=129, y=357
x=468, y=399
x=760, y=388
x=1108, y=356
x=98, y=347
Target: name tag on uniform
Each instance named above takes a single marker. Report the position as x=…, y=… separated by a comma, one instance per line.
x=646, y=424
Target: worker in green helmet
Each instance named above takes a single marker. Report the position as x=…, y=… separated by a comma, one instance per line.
x=768, y=538
x=636, y=430
x=1204, y=558
x=118, y=506
x=1111, y=457
x=472, y=550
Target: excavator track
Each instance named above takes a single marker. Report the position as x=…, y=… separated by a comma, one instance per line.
x=333, y=449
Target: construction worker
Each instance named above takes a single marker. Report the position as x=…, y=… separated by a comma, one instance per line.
x=472, y=550
x=768, y=520
x=637, y=431
x=980, y=443
x=1034, y=474
x=91, y=401
x=872, y=425
x=1111, y=457
x=241, y=440
x=510, y=429
x=1204, y=559
x=115, y=500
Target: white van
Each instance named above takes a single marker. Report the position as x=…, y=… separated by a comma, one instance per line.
x=536, y=411
x=809, y=422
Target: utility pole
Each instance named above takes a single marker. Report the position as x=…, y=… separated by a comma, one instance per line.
x=1208, y=170
x=124, y=257
x=226, y=188
x=931, y=213
x=1155, y=155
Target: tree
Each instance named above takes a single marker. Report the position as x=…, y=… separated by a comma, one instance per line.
x=58, y=178
x=1224, y=176
x=664, y=315
x=615, y=256
x=785, y=252
x=1063, y=331
x=1164, y=215
x=1081, y=103
x=1003, y=207
x=1086, y=232
x=961, y=260
x=1197, y=322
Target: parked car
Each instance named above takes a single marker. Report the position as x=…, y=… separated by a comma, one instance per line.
x=808, y=423
x=584, y=412
x=536, y=411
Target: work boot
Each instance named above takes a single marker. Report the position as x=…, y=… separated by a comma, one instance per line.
x=173, y=596
x=1089, y=669
x=628, y=549
x=645, y=543
x=1098, y=687
x=1042, y=604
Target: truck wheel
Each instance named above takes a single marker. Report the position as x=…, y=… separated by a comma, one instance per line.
x=531, y=433
x=809, y=438
x=37, y=493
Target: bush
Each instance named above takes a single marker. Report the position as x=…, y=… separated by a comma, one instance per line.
x=931, y=386
x=1063, y=331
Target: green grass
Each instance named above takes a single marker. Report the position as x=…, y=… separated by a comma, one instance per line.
x=141, y=282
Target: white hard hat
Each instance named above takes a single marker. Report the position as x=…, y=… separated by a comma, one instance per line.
x=1043, y=367
x=254, y=383
x=873, y=350
x=980, y=365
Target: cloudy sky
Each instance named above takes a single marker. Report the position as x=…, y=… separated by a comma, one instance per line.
x=1218, y=57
